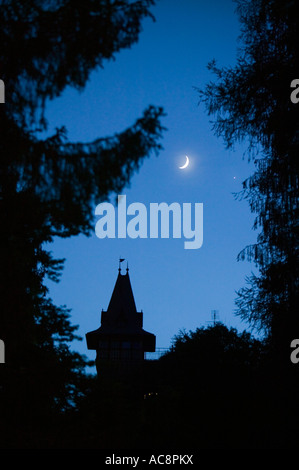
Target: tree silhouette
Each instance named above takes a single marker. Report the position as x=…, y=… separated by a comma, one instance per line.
x=214, y=391
x=251, y=103
x=48, y=186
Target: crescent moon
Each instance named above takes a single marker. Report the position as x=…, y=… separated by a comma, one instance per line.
x=185, y=164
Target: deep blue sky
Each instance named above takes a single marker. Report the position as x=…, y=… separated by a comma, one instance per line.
x=175, y=288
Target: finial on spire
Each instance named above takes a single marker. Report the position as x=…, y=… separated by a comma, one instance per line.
x=119, y=264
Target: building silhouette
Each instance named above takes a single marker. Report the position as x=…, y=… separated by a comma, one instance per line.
x=121, y=342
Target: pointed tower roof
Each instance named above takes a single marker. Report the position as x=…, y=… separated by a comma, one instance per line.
x=121, y=320
x=122, y=299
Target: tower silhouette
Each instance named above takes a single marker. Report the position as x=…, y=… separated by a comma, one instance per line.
x=120, y=342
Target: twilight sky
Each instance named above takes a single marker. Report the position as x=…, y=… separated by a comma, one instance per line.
x=175, y=287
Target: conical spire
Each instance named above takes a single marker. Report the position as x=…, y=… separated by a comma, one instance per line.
x=122, y=302
x=121, y=321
